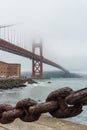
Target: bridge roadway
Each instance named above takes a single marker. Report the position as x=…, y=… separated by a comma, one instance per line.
x=9, y=47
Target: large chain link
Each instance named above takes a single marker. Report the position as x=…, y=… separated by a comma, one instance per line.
x=25, y=105
x=61, y=103
x=64, y=110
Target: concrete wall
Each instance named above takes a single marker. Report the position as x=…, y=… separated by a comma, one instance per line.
x=44, y=123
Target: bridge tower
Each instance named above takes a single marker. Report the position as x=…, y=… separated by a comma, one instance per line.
x=37, y=65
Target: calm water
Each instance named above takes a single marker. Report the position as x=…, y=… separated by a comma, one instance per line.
x=42, y=89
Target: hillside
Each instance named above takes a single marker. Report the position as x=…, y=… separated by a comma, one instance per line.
x=53, y=74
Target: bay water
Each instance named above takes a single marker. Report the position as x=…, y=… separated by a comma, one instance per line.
x=40, y=91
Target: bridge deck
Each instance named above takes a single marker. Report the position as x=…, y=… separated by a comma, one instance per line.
x=9, y=47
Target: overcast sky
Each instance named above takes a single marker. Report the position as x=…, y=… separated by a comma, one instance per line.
x=61, y=24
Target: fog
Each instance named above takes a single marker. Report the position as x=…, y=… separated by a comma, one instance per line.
x=61, y=25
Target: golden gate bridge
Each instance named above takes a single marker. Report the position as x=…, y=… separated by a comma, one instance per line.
x=37, y=60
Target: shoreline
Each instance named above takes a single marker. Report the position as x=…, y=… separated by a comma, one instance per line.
x=10, y=83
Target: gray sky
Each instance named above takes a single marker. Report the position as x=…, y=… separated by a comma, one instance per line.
x=61, y=24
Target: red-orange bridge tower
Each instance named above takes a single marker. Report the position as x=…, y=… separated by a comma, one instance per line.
x=37, y=65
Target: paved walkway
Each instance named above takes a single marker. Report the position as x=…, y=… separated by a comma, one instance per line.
x=44, y=123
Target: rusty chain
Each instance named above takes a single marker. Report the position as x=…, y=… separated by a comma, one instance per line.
x=61, y=103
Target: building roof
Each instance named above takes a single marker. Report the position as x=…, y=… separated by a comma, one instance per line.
x=9, y=63
x=3, y=62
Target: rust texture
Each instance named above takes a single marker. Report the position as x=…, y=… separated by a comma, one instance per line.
x=61, y=103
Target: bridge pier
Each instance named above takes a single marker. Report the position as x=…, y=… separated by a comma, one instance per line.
x=37, y=65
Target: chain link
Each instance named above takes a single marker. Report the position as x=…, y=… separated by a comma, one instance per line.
x=25, y=105
x=64, y=110
x=61, y=103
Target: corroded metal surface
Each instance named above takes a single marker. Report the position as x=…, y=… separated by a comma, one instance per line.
x=61, y=103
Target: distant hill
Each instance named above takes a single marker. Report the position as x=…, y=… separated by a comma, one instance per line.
x=59, y=74
x=54, y=74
